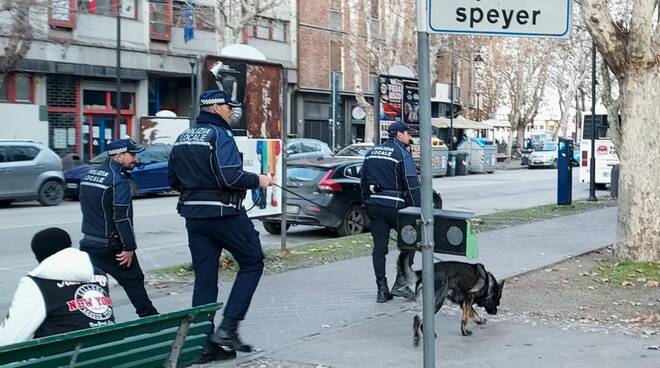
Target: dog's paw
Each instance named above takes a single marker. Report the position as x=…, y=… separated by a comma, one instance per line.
x=416, y=341
x=482, y=321
x=466, y=332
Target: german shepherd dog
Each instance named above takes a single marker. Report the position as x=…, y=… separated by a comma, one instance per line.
x=463, y=283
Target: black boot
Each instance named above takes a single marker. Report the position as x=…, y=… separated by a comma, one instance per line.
x=400, y=287
x=213, y=352
x=227, y=336
x=383, y=291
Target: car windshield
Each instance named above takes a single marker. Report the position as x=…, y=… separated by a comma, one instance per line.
x=304, y=173
x=354, y=151
x=549, y=147
x=98, y=159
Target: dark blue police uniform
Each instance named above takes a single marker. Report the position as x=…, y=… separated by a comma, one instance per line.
x=107, y=224
x=206, y=167
x=389, y=182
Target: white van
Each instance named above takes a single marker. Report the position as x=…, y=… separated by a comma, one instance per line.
x=606, y=158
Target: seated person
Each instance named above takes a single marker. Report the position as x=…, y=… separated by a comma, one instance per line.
x=64, y=293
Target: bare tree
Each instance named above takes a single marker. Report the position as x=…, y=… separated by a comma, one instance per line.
x=228, y=18
x=375, y=49
x=524, y=68
x=19, y=32
x=627, y=35
x=611, y=96
x=570, y=70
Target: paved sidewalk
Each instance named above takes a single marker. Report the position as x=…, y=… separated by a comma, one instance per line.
x=327, y=314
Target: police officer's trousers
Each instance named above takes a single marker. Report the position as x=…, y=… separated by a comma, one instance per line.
x=130, y=278
x=207, y=237
x=382, y=220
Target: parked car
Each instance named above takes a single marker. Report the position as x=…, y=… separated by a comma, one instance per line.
x=331, y=196
x=332, y=186
x=306, y=148
x=546, y=156
x=148, y=177
x=355, y=150
x=30, y=171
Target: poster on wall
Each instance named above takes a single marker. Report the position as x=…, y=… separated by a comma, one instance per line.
x=258, y=86
x=262, y=156
x=163, y=130
x=390, y=106
x=411, y=104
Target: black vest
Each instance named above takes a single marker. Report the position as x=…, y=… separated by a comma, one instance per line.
x=74, y=305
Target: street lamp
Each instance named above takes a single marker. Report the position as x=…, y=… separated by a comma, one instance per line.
x=477, y=59
x=118, y=69
x=592, y=162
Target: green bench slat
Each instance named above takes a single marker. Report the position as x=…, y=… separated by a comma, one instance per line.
x=186, y=359
x=110, y=348
x=63, y=345
x=161, y=349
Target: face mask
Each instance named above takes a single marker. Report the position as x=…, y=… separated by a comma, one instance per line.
x=236, y=115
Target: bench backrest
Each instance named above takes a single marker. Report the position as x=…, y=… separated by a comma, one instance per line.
x=171, y=339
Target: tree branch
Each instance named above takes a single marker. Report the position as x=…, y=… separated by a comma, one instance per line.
x=610, y=42
x=641, y=31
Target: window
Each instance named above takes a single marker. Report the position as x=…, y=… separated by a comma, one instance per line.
x=335, y=20
x=374, y=9
x=3, y=155
x=268, y=29
x=108, y=7
x=19, y=153
x=22, y=84
x=160, y=13
x=155, y=154
x=94, y=99
x=353, y=171
x=62, y=14
x=17, y=88
x=205, y=18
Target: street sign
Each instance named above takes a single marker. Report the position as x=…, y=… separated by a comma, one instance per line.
x=524, y=18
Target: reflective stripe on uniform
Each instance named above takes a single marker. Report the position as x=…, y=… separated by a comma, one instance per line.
x=97, y=185
x=208, y=203
x=382, y=158
x=193, y=143
x=387, y=197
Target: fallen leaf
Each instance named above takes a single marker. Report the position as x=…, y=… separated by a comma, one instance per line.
x=641, y=279
x=627, y=283
x=652, y=284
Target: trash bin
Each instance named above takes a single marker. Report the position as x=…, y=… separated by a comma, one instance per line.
x=439, y=160
x=451, y=163
x=614, y=182
x=462, y=163
x=482, y=154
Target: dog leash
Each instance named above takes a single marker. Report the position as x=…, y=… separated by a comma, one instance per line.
x=318, y=205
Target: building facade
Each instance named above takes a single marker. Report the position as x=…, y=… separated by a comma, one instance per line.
x=63, y=90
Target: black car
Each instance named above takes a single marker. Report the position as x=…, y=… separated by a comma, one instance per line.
x=327, y=194
x=331, y=188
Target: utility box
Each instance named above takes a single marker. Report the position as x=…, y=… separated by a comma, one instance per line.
x=452, y=232
x=564, y=172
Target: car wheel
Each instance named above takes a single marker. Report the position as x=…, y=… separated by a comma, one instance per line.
x=5, y=203
x=354, y=222
x=554, y=164
x=51, y=193
x=274, y=228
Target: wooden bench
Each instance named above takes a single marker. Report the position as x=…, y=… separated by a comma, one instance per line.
x=167, y=340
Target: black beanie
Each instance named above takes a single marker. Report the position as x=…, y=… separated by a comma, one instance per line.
x=47, y=242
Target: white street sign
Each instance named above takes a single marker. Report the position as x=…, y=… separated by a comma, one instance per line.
x=524, y=18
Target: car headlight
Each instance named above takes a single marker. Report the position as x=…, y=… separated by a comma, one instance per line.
x=409, y=234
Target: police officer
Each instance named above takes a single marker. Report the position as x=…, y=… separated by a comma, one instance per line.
x=389, y=182
x=107, y=222
x=206, y=167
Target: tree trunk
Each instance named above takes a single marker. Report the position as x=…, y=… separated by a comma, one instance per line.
x=639, y=193
x=520, y=136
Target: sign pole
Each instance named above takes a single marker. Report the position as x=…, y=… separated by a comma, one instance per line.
x=424, y=72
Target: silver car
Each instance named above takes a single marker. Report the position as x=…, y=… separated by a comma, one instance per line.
x=30, y=171
x=546, y=156
x=306, y=148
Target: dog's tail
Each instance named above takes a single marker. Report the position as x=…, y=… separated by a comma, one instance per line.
x=403, y=266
